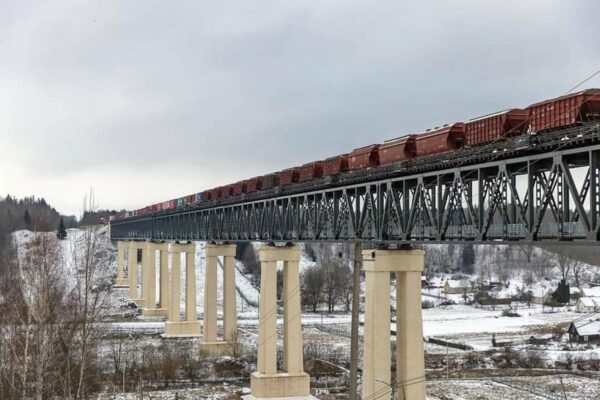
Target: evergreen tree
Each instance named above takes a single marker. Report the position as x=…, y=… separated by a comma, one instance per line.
x=27, y=219
x=468, y=259
x=62, y=231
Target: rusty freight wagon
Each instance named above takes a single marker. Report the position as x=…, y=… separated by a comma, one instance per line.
x=227, y=191
x=364, y=157
x=253, y=184
x=310, y=171
x=566, y=110
x=207, y=195
x=440, y=140
x=239, y=188
x=335, y=165
x=269, y=181
x=215, y=194
x=288, y=176
x=396, y=150
x=489, y=128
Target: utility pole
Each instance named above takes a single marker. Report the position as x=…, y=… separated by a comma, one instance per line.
x=354, y=328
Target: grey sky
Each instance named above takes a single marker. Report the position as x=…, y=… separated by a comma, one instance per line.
x=150, y=100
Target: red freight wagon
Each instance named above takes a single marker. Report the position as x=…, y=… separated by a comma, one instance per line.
x=310, y=171
x=226, y=191
x=239, y=188
x=254, y=184
x=269, y=181
x=440, y=140
x=173, y=203
x=215, y=193
x=207, y=195
x=564, y=111
x=363, y=157
x=159, y=207
x=191, y=199
x=288, y=176
x=492, y=127
x=335, y=165
x=395, y=150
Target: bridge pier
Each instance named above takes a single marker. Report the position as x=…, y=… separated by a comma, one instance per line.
x=122, y=280
x=267, y=382
x=152, y=309
x=132, y=271
x=190, y=326
x=211, y=344
x=410, y=367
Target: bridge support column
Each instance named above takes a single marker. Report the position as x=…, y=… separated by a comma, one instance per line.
x=211, y=344
x=132, y=271
x=410, y=381
x=122, y=280
x=175, y=327
x=152, y=308
x=268, y=382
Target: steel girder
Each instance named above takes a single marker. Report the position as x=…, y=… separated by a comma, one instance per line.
x=553, y=196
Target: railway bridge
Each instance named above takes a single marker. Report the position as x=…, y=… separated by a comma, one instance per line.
x=525, y=189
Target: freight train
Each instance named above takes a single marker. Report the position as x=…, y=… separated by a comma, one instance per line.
x=538, y=118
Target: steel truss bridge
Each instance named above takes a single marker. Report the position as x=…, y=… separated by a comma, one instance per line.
x=524, y=189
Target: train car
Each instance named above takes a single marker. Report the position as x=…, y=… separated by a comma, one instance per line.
x=440, y=140
x=492, y=127
x=288, y=176
x=364, y=157
x=198, y=198
x=253, y=184
x=396, y=150
x=191, y=198
x=310, y=171
x=215, y=194
x=173, y=203
x=226, y=191
x=335, y=165
x=207, y=195
x=165, y=205
x=181, y=202
x=239, y=188
x=564, y=111
x=269, y=181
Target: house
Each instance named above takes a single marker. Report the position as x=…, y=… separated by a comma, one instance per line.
x=541, y=295
x=591, y=292
x=454, y=286
x=587, y=304
x=585, y=330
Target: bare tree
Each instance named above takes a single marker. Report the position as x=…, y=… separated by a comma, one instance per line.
x=527, y=251
x=32, y=319
x=578, y=269
x=91, y=290
x=565, y=262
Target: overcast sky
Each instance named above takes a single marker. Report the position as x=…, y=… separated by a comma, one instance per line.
x=149, y=100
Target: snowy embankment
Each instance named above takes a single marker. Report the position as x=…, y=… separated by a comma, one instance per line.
x=72, y=249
